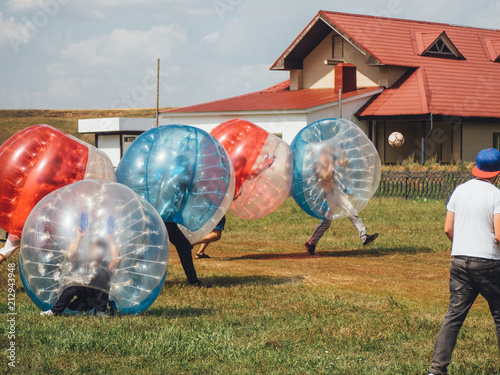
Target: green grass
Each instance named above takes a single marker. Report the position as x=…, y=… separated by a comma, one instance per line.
x=274, y=310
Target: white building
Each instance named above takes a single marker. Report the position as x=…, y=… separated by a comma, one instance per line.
x=114, y=135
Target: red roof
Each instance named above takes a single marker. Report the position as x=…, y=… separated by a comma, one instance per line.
x=466, y=87
x=277, y=97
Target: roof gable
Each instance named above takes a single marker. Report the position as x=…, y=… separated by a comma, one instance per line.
x=425, y=43
x=314, y=33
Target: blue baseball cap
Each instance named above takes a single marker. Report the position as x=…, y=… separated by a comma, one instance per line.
x=487, y=163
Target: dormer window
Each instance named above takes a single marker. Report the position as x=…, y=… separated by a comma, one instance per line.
x=443, y=47
x=440, y=47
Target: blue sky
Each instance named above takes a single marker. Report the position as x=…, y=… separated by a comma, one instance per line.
x=79, y=54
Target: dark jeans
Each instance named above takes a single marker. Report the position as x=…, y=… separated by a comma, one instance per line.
x=183, y=247
x=86, y=299
x=469, y=277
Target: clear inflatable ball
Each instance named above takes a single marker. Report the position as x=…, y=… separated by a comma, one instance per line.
x=99, y=235
x=262, y=167
x=39, y=160
x=336, y=169
x=184, y=172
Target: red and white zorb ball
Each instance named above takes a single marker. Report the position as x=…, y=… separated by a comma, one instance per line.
x=396, y=139
x=262, y=167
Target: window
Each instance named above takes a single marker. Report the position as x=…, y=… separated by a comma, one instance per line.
x=496, y=140
x=128, y=139
x=280, y=135
x=443, y=47
x=440, y=46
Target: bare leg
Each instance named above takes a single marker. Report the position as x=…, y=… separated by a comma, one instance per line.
x=203, y=246
x=208, y=239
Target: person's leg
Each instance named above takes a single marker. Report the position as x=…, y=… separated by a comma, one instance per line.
x=100, y=300
x=462, y=296
x=211, y=237
x=319, y=232
x=65, y=298
x=345, y=205
x=487, y=276
x=183, y=248
x=202, y=249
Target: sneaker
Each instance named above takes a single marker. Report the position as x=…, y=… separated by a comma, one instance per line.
x=311, y=249
x=47, y=313
x=369, y=239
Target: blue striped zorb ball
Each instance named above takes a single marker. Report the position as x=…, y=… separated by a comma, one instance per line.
x=99, y=235
x=184, y=172
x=356, y=168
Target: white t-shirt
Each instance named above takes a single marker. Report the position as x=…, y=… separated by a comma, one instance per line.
x=474, y=204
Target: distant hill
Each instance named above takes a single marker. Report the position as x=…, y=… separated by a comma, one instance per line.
x=12, y=121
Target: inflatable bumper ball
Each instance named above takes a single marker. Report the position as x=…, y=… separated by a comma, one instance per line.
x=262, y=167
x=184, y=173
x=99, y=235
x=39, y=160
x=336, y=169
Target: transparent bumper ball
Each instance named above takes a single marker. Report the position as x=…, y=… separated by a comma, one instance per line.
x=99, y=235
x=336, y=169
x=184, y=173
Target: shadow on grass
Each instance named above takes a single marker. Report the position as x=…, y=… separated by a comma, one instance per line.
x=339, y=253
x=181, y=312
x=230, y=281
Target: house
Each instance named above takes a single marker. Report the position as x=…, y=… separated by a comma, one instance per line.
x=438, y=84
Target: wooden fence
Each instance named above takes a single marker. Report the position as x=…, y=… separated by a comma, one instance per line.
x=412, y=185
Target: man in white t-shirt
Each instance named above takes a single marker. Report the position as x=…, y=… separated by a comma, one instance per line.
x=473, y=226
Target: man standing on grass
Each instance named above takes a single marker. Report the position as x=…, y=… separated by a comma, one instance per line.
x=473, y=226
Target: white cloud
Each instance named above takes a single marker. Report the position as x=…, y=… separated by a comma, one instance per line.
x=211, y=38
x=9, y=27
x=22, y=5
x=121, y=46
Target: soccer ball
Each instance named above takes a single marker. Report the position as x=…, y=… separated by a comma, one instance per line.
x=396, y=139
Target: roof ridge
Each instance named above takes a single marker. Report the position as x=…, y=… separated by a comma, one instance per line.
x=409, y=20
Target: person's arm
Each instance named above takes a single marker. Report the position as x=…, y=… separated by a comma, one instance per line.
x=115, y=256
x=450, y=222
x=496, y=223
x=73, y=247
x=344, y=162
x=266, y=164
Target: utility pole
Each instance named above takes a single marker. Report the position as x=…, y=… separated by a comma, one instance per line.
x=340, y=101
x=157, y=92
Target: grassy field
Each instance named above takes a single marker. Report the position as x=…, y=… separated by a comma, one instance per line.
x=275, y=310
x=12, y=121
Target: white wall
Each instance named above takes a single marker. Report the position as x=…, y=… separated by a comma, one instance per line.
x=110, y=144
x=287, y=124
x=112, y=124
